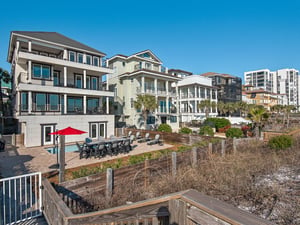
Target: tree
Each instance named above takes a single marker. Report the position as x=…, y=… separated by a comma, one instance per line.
x=258, y=115
x=243, y=108
x=287, y=111
x=5, y=77
x=230, y=107
x=206, y=106
x=146, y=103
x=221, y=108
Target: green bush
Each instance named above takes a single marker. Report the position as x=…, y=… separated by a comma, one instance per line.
x=206, y=130
x=185, y=130
x=216, y=122
x=164, y=128
x=280, y=142
x=234, y=132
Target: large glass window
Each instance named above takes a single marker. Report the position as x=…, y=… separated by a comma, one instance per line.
x=53, y=102
x=72, y=56
x=202, y=92
x=41, y=71
x=24, y=101
x=88, y=59
x=80, y=57
x=56, y=78
x=78, y=81
x=74, y=105
x=88, y=82
x=93, y=105
x=163, y=107
x=94, y=83
x=40, y=102
x=173, y=119
x=96, y=61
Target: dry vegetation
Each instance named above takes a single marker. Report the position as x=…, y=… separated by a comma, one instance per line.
x=257, y=179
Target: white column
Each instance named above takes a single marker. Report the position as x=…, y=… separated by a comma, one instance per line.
x=29, y=71
x=107, y=105
x=188, y=98
x=177, y=100
x=180, y=93
x=155, y=86
x=65, y=76
x=167, y=87
x=29, y=102
x=65, y=55
x=65, y=104
x=29, y=46
x=84, y=104
x=84, y=79
x=143, y=84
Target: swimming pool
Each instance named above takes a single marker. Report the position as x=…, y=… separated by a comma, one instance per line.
x=68, y=148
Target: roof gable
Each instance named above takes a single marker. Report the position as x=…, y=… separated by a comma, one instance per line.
x=57, y=38
x=147, y=54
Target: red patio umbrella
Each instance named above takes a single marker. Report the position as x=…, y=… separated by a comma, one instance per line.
x=68, y=131
x=62, y=133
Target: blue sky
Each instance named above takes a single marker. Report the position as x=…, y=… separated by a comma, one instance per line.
x=198, y=36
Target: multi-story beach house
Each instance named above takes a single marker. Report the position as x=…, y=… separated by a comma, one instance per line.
x=283, y=81
x=192, y=90
x=143, y=73
x=229, y=86
x=57, y=82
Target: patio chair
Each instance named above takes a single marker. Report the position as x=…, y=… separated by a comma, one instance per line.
x=83, y=151
x=132, y=137
x=138, y=135
x=125, y=146
x=129, y=134
x=145, y=139
x=156, y=140
x=101, y=150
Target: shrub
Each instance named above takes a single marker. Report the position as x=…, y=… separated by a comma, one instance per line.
x=224, y=129
x=185, y=130
x=216, y=122
x=164, y=128
x=234, y=132
x=206, y=130
x=280, y=142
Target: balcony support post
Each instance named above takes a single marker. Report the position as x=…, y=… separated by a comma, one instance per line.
x=65, y=76
x=84, y=104
x=65, y=104
x=29, y=102
x=84, y=79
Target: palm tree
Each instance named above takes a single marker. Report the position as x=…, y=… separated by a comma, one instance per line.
x=230, y=108
x=146, y=103
x=206, y=106
x=287, y=111
x=4, y=76
x=258, y=115
x=276, y=109
x=221, y=108
x=242, y=107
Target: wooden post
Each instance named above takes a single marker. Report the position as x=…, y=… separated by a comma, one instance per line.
x=109, y=182
x=62, y=159
x=194, y=155
x=234, y=145
x=146, y=182
x=210, y=150
x=223, y=148
x=174, y=163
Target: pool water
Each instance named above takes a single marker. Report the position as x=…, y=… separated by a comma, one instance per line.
x=68, y=148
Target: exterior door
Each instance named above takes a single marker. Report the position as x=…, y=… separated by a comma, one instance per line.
x=47, y=137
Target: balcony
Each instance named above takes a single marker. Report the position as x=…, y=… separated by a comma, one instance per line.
x=59, y=61
x=147, y=67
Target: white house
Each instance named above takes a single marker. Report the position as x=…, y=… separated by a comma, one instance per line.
x=57, y=82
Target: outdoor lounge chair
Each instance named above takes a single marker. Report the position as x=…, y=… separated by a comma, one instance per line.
x=156, y=140
x=138, y=135
x=145, y=139
x=129, y=134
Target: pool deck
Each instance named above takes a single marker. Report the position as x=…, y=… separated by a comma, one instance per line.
x=20, y=160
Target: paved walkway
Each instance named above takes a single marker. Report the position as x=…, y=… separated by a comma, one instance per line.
x=16, y=161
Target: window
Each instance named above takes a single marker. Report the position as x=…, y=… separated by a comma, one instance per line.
x=123, y=63
x=213, y=94
x=24, y=101
x=41, y=71
x=72, y=56
x=94, y=83
x=78, y=81
x=93, y=105
x=202, y=92
x=163, y=106
x=40, y=102
x=53, y=102
x=208, y=93
x=75, y=105
x=88, y=59
x=173, y=119
x=80, y=57
x=88, y=82
x=96, y=61
x=97, y=129
x=151, y=120
x=56, y=78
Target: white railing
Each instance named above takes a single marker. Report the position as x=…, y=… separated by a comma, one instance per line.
x=21, y=198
